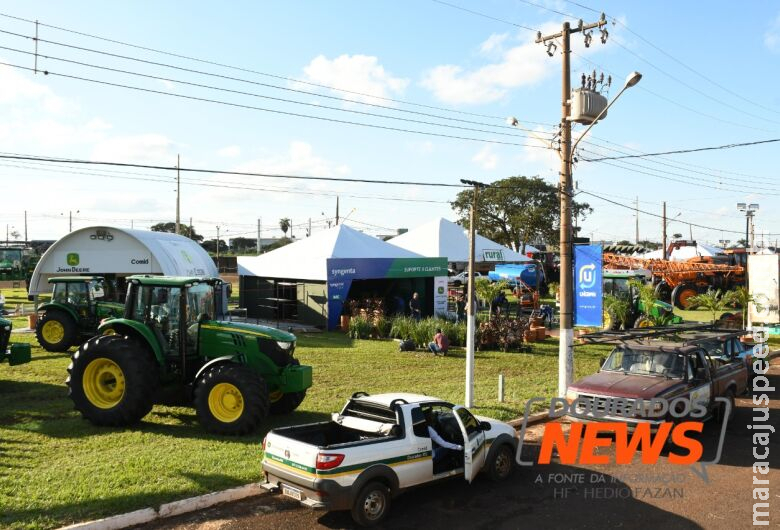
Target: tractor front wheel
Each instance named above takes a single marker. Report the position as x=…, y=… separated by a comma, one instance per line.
x=112, y=380
x=56, y=331
x=610, y=320
x=663, y=292
x=644, y=322
x=286, y=403
x=231, y=399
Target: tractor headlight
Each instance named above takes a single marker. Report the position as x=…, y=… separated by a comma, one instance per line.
x=284, y=344
x=571, y=395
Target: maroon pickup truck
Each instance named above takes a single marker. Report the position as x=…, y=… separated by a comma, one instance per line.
x=648, y=371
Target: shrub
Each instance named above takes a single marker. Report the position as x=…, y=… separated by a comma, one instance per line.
x=500, y=332
x=359, y=327
x=401, y=328
x=383, y=326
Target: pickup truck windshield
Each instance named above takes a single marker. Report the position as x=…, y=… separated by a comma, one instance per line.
x=657, y=363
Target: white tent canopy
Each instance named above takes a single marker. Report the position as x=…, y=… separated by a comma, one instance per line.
x=684, y=253
x=305, y=259
x=443, y=238
x=103, y=250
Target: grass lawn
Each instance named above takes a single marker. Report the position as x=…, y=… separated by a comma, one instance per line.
x=56, y=468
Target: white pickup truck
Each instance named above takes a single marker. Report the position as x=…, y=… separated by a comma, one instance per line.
x=378, y=446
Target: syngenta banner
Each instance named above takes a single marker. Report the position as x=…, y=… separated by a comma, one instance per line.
x=341, y=272
x=587, y=285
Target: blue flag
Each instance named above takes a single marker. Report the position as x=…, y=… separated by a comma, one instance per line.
x=588, y=287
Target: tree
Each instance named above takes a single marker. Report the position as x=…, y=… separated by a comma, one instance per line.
x=487, y=291
x=277, y=244
x=186, y=230
x=741, y=298
x=211, y=246
x=714, y=301
x=651, y=245
x=284, y=224
x=15, y=234
x=242, y=244
x=515, y=210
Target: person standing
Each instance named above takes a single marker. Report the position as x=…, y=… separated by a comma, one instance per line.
x=414, y=307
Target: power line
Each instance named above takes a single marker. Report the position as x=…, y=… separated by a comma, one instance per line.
x=483, y=15
x=238, y=79
x=678, y=61
x=243, y=93
x=256, y=72
x=682, y=151
x=653, y=214
x=274, y=111
x=226, y=172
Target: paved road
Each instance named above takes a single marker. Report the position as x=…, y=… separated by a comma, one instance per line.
x=533, y=499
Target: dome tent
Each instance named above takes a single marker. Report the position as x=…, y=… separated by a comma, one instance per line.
x=118, y=252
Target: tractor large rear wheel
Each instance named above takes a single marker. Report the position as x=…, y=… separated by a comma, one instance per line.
x=663, y=292
x=286, y=403
x=112, y=380
x=231, y=399
x=681, y=296
x=56, y=331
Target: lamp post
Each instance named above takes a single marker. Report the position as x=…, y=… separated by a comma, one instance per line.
x=566, y=340
x=750, y=210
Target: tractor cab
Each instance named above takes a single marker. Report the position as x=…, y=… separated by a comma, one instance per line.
x=173, y=310
x=79, y=292
x=72, y=315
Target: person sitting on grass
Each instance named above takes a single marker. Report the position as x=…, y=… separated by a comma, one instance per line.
x=440, y=343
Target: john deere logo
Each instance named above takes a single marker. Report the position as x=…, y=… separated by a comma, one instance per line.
x=441, y=290
x=73, y=259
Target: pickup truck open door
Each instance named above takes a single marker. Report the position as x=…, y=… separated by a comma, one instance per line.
x=474, y=450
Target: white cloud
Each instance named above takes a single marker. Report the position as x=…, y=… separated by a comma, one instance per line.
x=299, y=159
x=142, y=148
x=230, y=151
x=494, y=43
x=486, y=158
x=519, y=66
x=357, y=73
x=16, y=88
x=772, y=36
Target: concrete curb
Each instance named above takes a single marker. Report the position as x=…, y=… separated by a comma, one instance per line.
x=169, y=509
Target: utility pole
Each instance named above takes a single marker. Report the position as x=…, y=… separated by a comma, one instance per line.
x=308, y=232
x=178, y=194
x=566, y=340
x=663, y=237
x=291, y=229
x=217, y=249
x=259, y=235
x=637, y=220
x=25, y=228
x=70, y=221
x=192, y=230
x=471, y=314
x=337, y=210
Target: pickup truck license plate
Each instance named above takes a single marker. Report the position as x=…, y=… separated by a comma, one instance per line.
x=292, y=492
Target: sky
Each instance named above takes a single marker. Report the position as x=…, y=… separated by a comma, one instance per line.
x=415, y=91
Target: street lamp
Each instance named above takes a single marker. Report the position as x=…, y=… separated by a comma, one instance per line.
x=750, y=210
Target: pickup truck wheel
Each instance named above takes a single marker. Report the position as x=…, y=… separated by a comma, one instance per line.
x=371, y=504
x=502, y=464
x=721, y=414
x=231, y=399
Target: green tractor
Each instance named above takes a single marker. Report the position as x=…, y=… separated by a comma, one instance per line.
x=621, y=284
x=74, y=312
x=167, y=344
x=15, y=353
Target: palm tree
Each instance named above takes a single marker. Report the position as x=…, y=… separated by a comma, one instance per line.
x=741, y=298
x=487, y=291
x=284, y=224
x=714, y=301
